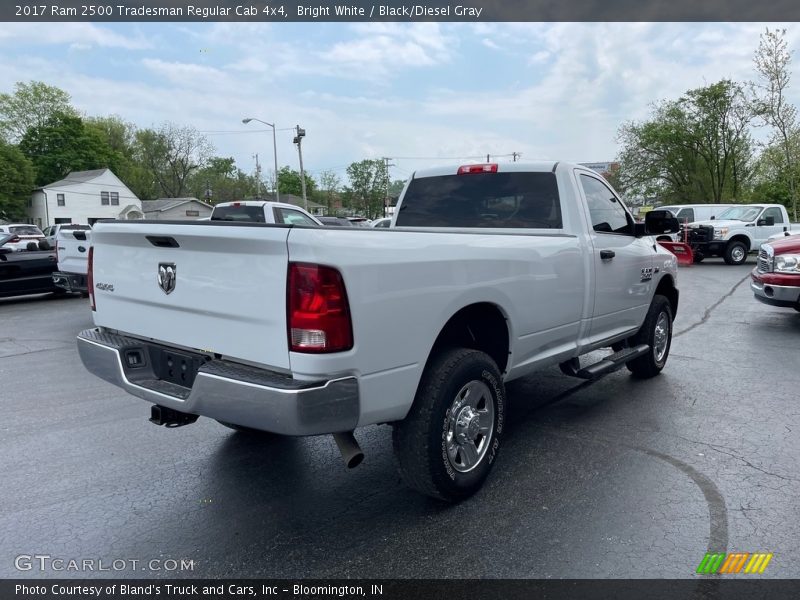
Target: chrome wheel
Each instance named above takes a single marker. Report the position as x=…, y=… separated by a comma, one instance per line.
x=470, y=423
x=661, y=337
x=738, y=254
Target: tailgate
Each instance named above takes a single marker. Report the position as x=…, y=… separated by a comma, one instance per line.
x=228, y=294
x=73, y=250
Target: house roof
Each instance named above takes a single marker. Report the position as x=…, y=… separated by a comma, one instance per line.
x=298, y=201
x=163, y=204
x=74, y=178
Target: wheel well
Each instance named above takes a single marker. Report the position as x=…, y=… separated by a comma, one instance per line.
x=666, y=288
x=479, y=326
x=741, y=238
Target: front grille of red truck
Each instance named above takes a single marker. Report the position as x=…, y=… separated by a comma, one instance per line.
x=764, y=261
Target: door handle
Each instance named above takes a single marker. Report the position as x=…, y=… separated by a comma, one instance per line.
x=607, y=254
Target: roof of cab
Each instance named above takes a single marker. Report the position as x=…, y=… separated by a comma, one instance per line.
x=505, y=167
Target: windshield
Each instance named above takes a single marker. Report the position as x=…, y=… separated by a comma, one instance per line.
x=741, y=213
x=25, y=230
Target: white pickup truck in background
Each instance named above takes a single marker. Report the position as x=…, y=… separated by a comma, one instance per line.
x=737, y=231
x=263, y=211
x=72, y=244
x=489, y=273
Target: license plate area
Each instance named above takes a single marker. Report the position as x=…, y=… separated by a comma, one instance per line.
x=175, y=367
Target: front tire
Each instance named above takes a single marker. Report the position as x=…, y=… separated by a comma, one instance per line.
x=448, y=442
x=736, y=253
x=656, y=332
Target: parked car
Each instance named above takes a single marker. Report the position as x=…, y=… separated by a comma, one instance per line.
x=335, y=222
x=72, y=252
x=380, y=223
x=359, y=221
x=25, y=271
x=262, y=211
x=23, y=236
x=497, y=271
x=776, y=278
x=51, y=232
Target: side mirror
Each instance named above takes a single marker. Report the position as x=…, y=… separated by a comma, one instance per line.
x=658, y=222
x=768, y=221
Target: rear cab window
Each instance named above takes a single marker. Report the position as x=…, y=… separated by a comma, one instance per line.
x=242, y=214
x=512, y=200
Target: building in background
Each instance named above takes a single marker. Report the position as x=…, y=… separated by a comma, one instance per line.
x=83, y=197
x=176, y=209
x=606, y=169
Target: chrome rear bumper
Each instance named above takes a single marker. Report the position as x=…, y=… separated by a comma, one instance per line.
x=224, y=390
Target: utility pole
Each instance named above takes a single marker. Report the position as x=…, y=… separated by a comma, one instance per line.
x=258, y=177
x=487, y=158
x=386, y=166
x=301, y=133
x=515, y=155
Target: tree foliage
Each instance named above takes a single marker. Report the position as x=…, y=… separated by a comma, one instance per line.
x=221, y=181
x=772, y=61
x=368, y=186
x=694, y=149
x=329, y=186
x=63, y=144
x=289, y=182
x=172, y=154
x=16, y=182
x=31, y=105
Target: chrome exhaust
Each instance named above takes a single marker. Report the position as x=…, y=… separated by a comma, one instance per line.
x=348, y=446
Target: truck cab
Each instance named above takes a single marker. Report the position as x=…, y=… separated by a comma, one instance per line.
x=263, y=211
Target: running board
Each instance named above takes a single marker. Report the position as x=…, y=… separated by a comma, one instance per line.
x=608, y=364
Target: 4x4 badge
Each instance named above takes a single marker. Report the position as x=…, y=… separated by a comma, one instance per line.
x=167, y=274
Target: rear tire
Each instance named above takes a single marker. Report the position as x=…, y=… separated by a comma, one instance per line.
x=448, y=442
x=736, y=253
x=656, y=332
x=697, y=258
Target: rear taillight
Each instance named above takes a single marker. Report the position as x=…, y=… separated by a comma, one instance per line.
x=318, y=314
x=482, y=168
x=90, y=277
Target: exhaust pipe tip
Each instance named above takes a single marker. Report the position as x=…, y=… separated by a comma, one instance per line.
x=348, y=446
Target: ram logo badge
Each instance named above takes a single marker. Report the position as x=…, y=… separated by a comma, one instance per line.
x=167, y=274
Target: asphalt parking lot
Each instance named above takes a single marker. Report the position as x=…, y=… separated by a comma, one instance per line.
x=616, y=478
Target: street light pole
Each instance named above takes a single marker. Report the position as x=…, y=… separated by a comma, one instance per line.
x=274, y=152
x=301, y=133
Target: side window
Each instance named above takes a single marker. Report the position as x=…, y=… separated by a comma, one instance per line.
x=686, y=214
x=294, y=217
x=775, y=213
x=607, y=213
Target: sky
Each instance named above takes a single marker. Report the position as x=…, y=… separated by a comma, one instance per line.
x=422, y=94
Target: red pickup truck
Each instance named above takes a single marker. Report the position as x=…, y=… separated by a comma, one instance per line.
x=776, y=279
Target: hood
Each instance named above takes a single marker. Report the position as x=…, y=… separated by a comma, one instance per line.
x=787, y=244
x=718, y=223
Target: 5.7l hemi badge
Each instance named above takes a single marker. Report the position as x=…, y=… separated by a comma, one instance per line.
x=167, y=275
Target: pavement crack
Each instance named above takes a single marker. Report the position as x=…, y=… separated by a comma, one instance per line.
x=711, y=308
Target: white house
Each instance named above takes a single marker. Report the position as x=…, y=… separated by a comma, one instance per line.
x=83, y=197
x=176, y=209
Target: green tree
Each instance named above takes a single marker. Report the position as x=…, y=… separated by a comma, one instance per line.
x=367, y=190
x=172, y=154
x=31, y=105
x=121, y=136
x=221, y=181
x=773, y=61
x=64, y=144
x=16, y=182
x=330, y=184
x=289, y=182
x=696, y=148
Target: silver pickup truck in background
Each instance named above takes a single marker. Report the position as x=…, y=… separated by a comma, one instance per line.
x=488, y=273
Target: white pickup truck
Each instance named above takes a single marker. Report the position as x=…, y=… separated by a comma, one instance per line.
x=263, y=211
x=488, y=273
x=737, y=231
x=72, y=244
